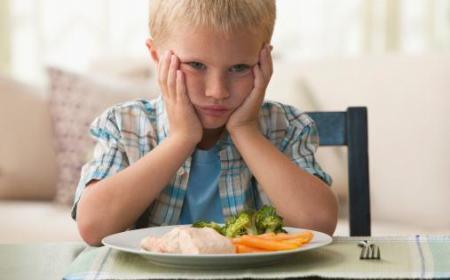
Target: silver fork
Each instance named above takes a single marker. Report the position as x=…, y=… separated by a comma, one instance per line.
x=369, y=251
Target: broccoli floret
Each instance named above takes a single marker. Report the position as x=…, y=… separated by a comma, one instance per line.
x=229, y=230
x=250, y=222
x=213, y=225
x=244, y=223
x=267, y=220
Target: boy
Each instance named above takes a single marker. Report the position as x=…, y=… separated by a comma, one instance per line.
x=210, y=146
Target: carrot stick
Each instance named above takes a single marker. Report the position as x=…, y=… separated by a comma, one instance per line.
x=297, y=241
x=308, y=236
x=240, y=248
x=236, y=239
x=270, y=245
x=305, y=235
x=268, y=235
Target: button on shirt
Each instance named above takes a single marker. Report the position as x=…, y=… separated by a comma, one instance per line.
x=126, y=132
x=202, y=199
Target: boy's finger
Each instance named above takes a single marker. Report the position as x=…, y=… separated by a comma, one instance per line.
x=266, y=62
x=163, y=70
x=171, y=76
x=181, y=86
x=259, y=84
x=269, y=57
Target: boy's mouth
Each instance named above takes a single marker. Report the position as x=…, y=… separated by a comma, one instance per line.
x=213, y=110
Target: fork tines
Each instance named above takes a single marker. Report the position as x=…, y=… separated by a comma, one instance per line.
x=369, y=251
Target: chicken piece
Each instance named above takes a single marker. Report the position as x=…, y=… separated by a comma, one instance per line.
x=204, y=241
x=188, y=240
x=168, y=243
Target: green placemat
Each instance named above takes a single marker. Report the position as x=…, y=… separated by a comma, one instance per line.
x=402, y=257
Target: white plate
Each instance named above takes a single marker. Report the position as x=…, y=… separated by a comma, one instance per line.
x=129, y=241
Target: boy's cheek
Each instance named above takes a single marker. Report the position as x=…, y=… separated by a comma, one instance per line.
x=186, y=69
x=244, y=86
x=241, y=93
x=193, y=84
x=190, y=75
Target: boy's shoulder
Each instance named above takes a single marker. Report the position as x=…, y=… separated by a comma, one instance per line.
x=149, y=106
x=277, y=115
x=134, y=108
x=134, y=115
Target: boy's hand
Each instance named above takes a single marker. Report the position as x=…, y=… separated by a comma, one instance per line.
x=246, y=115
x=183, y=120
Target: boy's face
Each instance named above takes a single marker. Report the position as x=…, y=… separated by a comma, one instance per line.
x=218, y=70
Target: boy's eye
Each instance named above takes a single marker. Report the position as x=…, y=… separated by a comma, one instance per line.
x=196, y=65
x=239, y=68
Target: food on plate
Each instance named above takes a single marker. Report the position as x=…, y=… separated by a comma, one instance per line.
x=271, y=242
x=265, y=220
x=248, y=232
x=189, y=240
x=202, y=224
x=258, y=231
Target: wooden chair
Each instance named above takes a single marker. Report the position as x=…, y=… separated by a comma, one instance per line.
x=349, y=128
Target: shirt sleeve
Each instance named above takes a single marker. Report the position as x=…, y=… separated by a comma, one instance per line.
x=302, y=142
x=109, y=154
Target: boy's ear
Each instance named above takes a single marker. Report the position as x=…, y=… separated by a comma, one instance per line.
x=152, y=50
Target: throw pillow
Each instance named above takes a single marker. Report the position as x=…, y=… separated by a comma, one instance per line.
x=75, y=101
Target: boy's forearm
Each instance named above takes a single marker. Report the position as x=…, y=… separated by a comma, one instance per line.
x=301, y=199
x=115, y=203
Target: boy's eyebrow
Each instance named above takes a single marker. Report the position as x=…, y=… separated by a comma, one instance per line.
x=184, y=60
x=192, y=59
x=189, y=59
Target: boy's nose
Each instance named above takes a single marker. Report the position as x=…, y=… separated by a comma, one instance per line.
x=216, y=87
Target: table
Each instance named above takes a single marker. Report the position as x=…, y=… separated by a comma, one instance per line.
x=42, y=261
x=417, y=257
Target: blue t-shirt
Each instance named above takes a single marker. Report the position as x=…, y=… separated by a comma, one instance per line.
x=202, y=200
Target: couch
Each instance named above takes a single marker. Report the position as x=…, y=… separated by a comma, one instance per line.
x=43, y=139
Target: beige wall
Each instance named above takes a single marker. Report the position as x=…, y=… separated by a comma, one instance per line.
x=409, y=152
x=4, y=37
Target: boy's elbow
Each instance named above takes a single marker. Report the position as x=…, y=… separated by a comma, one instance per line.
x=325, y=219
x=330, y=217
x=89, y=233
x=325, y=216
x=325, y=223
x=329, y=226
x=89, y=223
x=88, y=227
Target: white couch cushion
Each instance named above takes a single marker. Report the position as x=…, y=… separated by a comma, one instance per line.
x=34, y=221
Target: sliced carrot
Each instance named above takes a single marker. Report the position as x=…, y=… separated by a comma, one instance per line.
x=271, y=241
x=305, y=235
x=236, y=239
x=270, y=245
x=240, y=249
x=268, y=235
x=297, y=241
x=308, y=236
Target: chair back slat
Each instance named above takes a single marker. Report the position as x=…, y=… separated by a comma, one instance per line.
x=331, y=126
x=350, y=128
x=358, y=171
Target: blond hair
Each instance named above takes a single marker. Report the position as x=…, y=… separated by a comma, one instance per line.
x=256, y=16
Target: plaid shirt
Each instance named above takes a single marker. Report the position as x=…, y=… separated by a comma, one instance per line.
x=127, y=131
